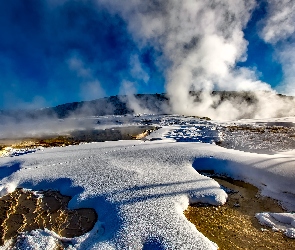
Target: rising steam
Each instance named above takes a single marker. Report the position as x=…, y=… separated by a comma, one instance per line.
x=279, y=31
x=202, y=42
x=196, y=46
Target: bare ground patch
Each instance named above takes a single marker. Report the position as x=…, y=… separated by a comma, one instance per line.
x=233, y=225
x=22, y=211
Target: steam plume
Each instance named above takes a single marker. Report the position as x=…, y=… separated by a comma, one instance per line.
x=90, y=48
x=279, y=30
x=201, y=42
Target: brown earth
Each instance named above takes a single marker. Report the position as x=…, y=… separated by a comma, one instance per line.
x=23, y=210
x=233, y=225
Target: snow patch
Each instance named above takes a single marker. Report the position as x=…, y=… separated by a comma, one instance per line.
x=282, y=222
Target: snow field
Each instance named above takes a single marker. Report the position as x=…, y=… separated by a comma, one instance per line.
x=140, y=189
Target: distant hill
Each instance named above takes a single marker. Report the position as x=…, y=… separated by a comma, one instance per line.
x=122, y=105
x=113, y=105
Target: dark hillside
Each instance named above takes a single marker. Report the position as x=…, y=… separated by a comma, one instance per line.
x=122, y=105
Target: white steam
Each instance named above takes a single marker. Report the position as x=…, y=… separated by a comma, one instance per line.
x=279, y=23
x=90, y=87
x=287, y=59
x=201, y=42
x=279, y=30
x=127, y=95
x=207, y=43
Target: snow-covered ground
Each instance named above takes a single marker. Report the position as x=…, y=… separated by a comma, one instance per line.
x=140, y=188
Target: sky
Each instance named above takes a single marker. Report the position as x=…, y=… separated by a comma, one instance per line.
x=60, y=51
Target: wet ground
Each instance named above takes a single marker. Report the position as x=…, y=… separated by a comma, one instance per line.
x=23, y=210
x=111, y=134
x=233, y=225
x=74, y=137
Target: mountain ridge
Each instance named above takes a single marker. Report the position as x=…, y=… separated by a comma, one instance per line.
x=123, y=105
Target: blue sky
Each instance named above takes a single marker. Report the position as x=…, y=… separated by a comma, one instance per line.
x=53, y=53
x=261, y=55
